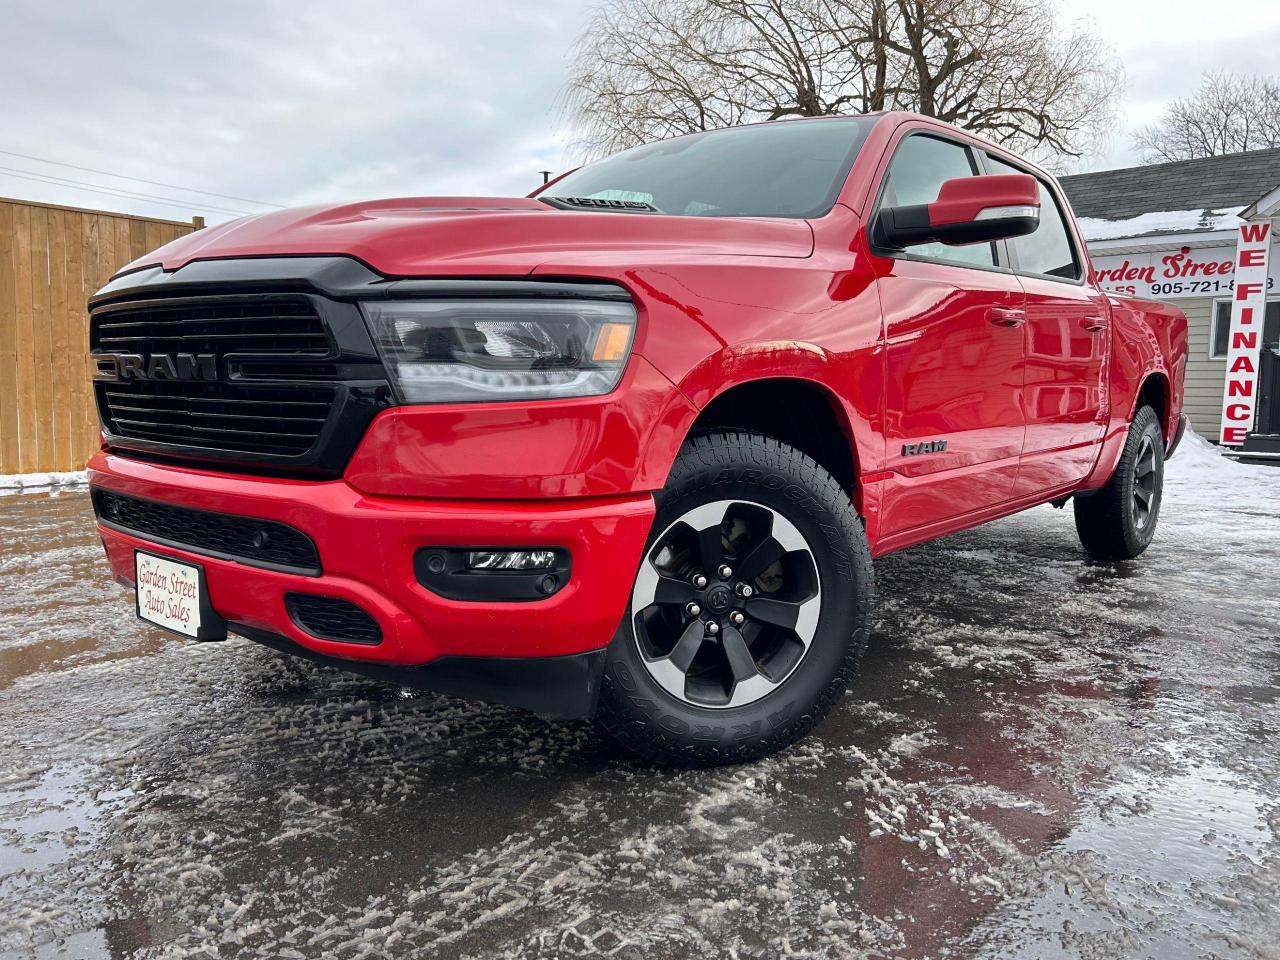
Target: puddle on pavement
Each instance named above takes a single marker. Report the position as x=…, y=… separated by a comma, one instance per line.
x=58, y=608
x=1154, y=851
x=42, y=823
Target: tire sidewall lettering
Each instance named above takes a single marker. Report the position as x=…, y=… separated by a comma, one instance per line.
x=673, y=724
x=624, y=678
x=801, y=499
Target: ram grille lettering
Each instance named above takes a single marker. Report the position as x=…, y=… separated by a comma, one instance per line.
x=156, y=366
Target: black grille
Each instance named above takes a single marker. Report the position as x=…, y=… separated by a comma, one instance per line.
x=329, y=618
x=282, y=421
x=217, y=325
x=263, y=543
x=222, y=410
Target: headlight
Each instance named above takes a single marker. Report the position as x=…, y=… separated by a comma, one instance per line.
x=449, y=351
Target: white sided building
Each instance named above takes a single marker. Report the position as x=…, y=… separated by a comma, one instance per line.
x=1197, y=234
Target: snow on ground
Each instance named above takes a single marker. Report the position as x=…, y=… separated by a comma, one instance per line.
x=11, y=483
x=1043, y=757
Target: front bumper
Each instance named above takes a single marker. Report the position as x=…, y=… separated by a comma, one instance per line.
x=366, y=546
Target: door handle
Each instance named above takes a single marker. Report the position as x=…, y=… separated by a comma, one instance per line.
x=1094, y=324
x=1007, y=316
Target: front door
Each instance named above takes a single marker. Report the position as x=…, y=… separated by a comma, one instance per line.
x=1268, y=420
x=1068, y=343
x=954, y=349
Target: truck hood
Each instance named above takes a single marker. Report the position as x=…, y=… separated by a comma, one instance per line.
x=419, y=236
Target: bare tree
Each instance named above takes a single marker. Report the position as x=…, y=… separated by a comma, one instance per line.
x=1228, y=114
x=648, y=69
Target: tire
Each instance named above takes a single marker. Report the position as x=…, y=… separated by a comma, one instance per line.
x=678, y=691
x=1119, y=521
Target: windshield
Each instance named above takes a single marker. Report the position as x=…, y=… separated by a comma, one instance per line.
x=790, y=168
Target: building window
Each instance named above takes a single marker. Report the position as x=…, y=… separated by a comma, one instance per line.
x=1221, y=328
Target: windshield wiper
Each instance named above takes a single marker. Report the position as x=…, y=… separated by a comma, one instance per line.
x=605, y=206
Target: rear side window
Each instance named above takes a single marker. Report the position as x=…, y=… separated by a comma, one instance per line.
x=1049, y=251
x=917, y=172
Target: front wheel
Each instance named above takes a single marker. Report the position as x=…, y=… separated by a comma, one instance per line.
x=750, y=609
x=1118, y=521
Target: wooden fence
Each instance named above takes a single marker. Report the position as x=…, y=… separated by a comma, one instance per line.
x=52, y=259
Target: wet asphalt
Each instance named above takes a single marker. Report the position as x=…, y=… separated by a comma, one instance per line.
x=1042, y=758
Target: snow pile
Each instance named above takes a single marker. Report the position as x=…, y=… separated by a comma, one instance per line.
x=1197, y=461
x=1161, y=221
x=1197, y=455
x=1209, y=497
x=29, y=482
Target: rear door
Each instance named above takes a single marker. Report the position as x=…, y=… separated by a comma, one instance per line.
x=954, y=356
x=1068, y=342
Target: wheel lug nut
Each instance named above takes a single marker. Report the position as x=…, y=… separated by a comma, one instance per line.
x=725, y=571
x=744, y=590
x=693, y=609
x=713, y=628
x=737, y=618
x=699, y=580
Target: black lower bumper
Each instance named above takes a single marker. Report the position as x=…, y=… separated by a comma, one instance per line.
x=562, y=687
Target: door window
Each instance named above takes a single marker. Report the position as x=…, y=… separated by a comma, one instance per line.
x=1048, y=251
x=918, y=169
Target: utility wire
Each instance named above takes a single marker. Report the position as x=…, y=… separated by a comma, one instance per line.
x=113, y=192
x=116, y=191
x=154, y=183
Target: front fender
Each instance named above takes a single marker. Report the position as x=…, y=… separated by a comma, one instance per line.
x=853, y=385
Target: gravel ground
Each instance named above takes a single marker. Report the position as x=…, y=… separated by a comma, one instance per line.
x=1043, y=758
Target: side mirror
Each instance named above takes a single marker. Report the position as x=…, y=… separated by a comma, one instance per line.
x=968, y=210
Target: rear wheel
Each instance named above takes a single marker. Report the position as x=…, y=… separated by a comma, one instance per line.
x=749, y=611
x=1119, y=521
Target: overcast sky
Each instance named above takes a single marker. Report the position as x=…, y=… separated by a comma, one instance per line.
x=303, y=102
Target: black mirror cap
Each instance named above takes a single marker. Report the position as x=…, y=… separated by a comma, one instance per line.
x=897, y=228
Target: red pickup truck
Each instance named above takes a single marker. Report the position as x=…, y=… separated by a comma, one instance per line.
x=627, y=447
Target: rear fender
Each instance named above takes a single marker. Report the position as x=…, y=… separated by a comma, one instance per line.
x=1149, y=339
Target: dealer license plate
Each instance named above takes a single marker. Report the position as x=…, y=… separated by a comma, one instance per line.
x=170, y=594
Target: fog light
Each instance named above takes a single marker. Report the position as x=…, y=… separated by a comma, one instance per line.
x=510, y=559
x=489, y=574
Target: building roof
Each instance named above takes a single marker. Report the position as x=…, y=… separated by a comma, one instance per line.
x=1229, y=182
